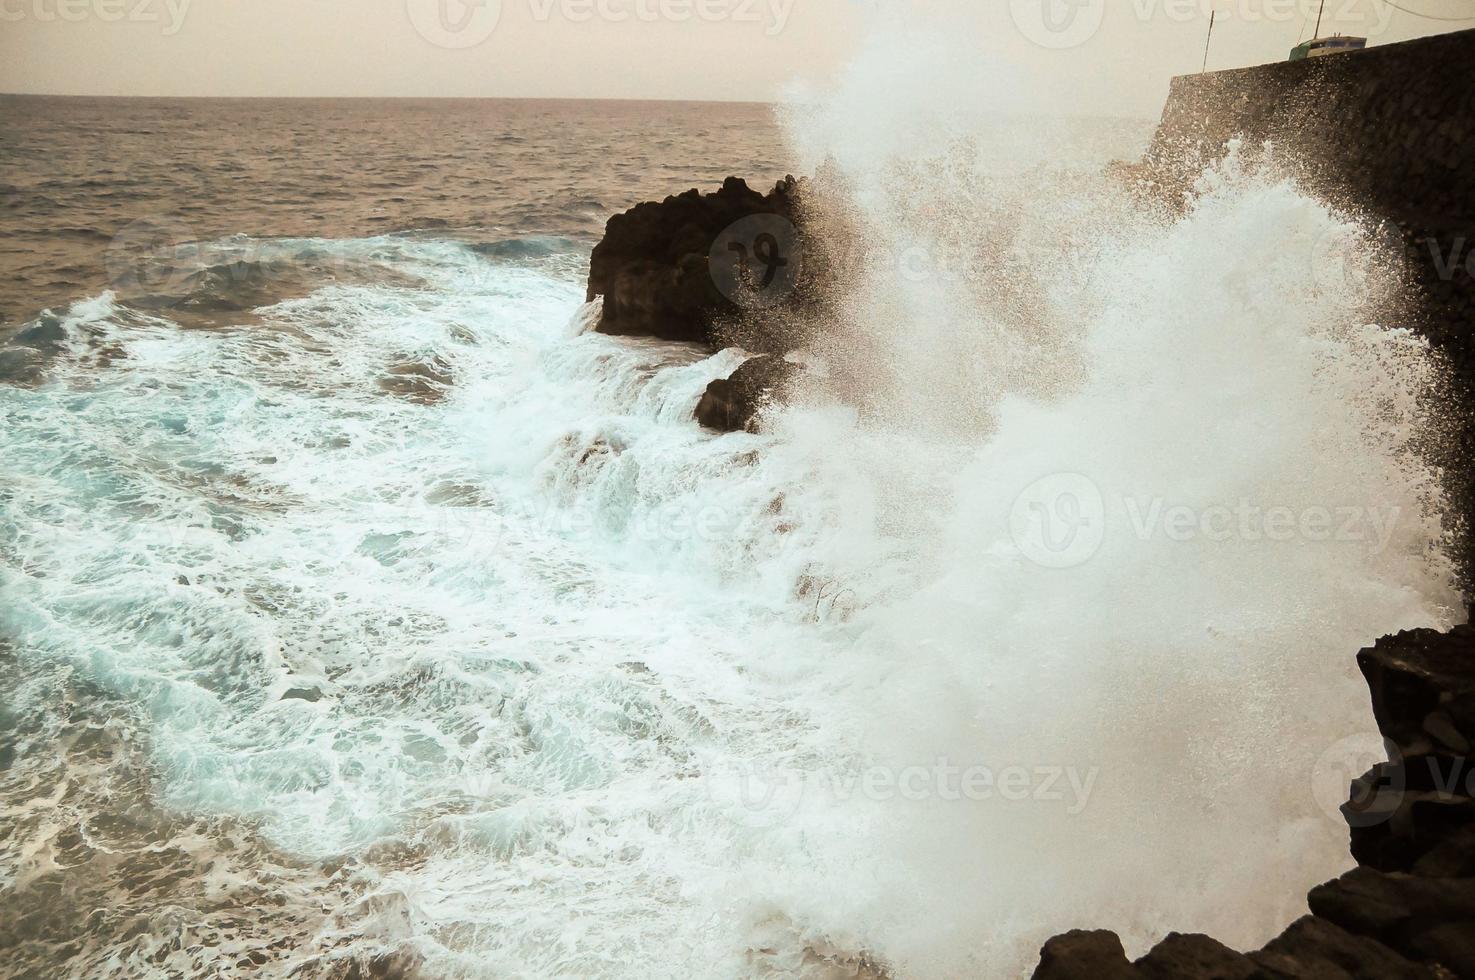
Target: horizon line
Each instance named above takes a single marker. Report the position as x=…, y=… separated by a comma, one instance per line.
x=476, y=98
x=405, y=98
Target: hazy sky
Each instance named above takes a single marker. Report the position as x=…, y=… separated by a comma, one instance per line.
x=1101, y=55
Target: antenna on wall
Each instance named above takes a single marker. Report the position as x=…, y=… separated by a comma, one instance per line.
x=1212, y=14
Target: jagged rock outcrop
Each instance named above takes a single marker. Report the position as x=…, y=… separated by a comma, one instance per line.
x=673, y=269
x=733, y=268
x=1415, y=813
x=1409, y=909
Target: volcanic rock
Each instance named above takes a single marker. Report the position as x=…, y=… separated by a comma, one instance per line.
x=1409, y=910
x=733, y=404
x=655, y=268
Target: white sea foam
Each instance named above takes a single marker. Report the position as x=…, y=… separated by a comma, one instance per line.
x=583, y=690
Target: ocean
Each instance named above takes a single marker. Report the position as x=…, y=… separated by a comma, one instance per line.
x=366, y=614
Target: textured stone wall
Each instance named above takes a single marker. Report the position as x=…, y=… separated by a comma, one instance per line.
x=1392, y=127
x=1389, y=131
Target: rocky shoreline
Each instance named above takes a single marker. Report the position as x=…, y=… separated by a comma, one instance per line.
x=1408, y=909
x=1383, y=133
x=693, y=267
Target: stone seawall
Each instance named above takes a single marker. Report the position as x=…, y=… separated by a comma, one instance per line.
x=1390, y=129
x=1390, y=132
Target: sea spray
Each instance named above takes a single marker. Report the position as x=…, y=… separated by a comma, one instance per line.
x=531, y=675
x=1007, y=431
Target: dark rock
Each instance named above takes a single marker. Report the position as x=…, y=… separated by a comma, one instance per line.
x=1451, y=945
x=654, y=266
x=1423, y=687
x=1313, y=949
x=1401, y=911
x=1195, y=957
x=1414, y=826
x=734, y=404
x=1416, y=810
x=1452, y=857
x=1082, y=955
x=303, y=694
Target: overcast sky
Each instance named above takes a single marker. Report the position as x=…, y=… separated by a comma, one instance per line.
x=1112, y=56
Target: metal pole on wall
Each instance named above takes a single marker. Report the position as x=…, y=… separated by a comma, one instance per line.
x=1321, y=10
x=1212, y=14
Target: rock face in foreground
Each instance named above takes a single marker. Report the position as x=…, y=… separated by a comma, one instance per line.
x=1409, y=910
x=654, y=267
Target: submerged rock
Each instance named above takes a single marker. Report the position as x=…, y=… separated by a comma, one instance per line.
x=733, y=404
x=424, y=382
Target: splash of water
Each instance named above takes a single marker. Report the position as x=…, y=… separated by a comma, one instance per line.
x=449, y=598
x=1125, y=492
